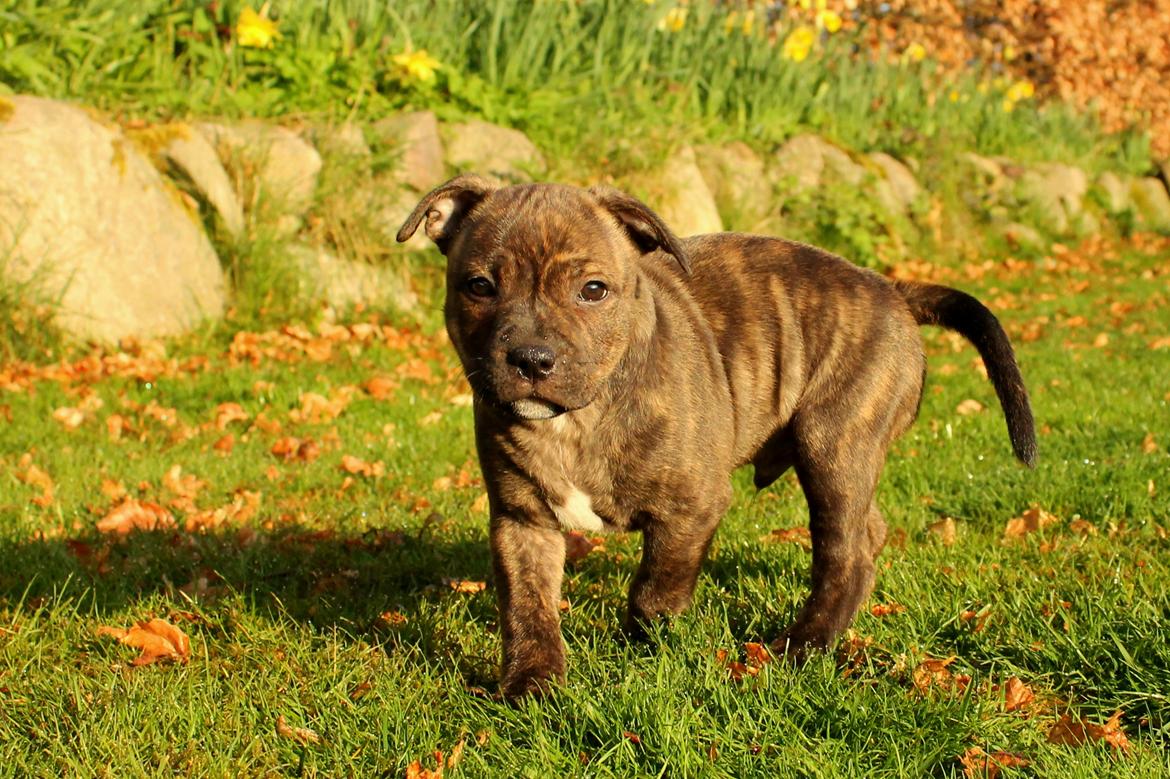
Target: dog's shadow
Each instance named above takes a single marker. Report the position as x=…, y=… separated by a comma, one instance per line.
x=385, y=587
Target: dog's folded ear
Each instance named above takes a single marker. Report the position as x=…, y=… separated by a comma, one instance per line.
x=444, y=207
x=646, y=228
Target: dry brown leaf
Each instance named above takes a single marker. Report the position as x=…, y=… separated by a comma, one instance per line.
x=945, y=530
x=465, y=586
x=968, y=407
x=978, y=764
x=1149, y=444
x=416, y=771
x=359, y=467
x=225, y=444
x=578, y=545
x=480, y=504
x=69, y=418
x=34, y=476
x=934, y=673
x=432, y=418
x=300, y=735
x=1072, y=732
x=292, y=448
x=226, y=413
x=380, y=387
x=1029, y=522
x=132, y=515
x=1016, y=694
x=1082, y=527
x=789, y=535
x=157, y=639
x=886, y=609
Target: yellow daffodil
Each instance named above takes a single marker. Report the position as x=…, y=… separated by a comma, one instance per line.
x=675, y=20
x=415, y=66
x=734, y=21
x=731, y=22
x=829, y=20
x=799, y=43
x=953, y=96
x=1008, y=105
x=749, y=21
x=255, y=30
x=805, y=4
x=915, y=52
x=1021, y=90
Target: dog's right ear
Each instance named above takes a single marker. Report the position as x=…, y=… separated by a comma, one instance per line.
x=645, y=228
x=444, y=207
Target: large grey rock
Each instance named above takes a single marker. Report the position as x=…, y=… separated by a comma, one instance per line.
x=1114, y=191
x=1151, y=202
x=987, y=172
x=901, y=185
x=88, y=220
x=805, y=162
x=344, y=283
x=284, y=166
x=344, y=140
x=1056, y=193
x=193, y=157
x=677, y=192
x=491, y=150
x=414, y=139
x=735, y=176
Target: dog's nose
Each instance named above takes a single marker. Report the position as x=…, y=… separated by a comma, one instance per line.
x=533, y=362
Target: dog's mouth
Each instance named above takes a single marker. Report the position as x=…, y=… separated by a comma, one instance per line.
x=534, y=408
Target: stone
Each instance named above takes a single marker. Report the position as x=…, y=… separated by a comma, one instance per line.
x=414, y=139
x=1022, y=236
x=903, y=187
x=89, y=223
x=1055, y=192
x=735, y=176
x=1114, y=192
x=806, y=162
x=677, y=192
x=286, y=167
x=1151, y=202
x=342, y=140
x=343, y=283
x=490, y=150
x=192, y=156
x=990, y=173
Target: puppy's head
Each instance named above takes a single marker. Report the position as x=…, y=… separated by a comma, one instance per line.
x=542, y=285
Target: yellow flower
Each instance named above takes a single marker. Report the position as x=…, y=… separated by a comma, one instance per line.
x=675, y=20
x=416, y=66
x=799, y=43
x=1021, y=90
x=749, y=21
x=1008, y=105
x=256, y=30
x=805, y=4
x=829, y=20
x=915, y=52
x=953, y=96
x=733, y=21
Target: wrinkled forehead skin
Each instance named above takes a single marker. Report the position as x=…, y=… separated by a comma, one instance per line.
x=540, y=224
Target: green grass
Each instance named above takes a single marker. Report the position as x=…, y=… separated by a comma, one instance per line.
x=284, y=608
x=578, y=76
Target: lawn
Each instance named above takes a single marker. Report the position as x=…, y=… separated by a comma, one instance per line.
x=343, y=585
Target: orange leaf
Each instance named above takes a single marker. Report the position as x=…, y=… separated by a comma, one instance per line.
x=1029, y=522
x=977, y=764
x=757, y=654
x=886, y=609
x=157, y=638
x=360, y=467
x=132, y=515
x=292, y=448
x=300, y=735
x=1072, y=732
x=578, y=545
x=226, y=413
x=790, y=535
x=465, y=586
x=945, y=530
x=1016, y=694
x=69, y=418
x=380, y=387
x=968, y=407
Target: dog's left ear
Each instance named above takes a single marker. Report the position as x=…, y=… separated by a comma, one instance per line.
x=646, y=228
x=444, y=207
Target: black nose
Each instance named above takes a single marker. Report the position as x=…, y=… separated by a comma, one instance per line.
x=533, y=362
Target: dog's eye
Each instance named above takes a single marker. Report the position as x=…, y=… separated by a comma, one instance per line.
x=480, y=287
x=594, y=291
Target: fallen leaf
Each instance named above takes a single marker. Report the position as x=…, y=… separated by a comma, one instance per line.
x=978, y=764
x=480, y=504
x=291, y=448
x=968, y=407
x=886, y=609
x=225, y=444
x=631, y=737
x=68, y=417
x=416, y=771
x=380, y=387
x=34, y=476
x=1016, y=694
x=1082, y=527
x=456, y=756
x=157, y=638
x=1029, y=522
x=359, y=467
x=790, y=535
x=226, y=413
x=578, y=545
x=300, y=735
x=432, y=418
x=465, y=586
x=1070, y=732
x=757, y=654
x=132, y=515
x=945, y=530
x=1149, y=444
x=935, y=673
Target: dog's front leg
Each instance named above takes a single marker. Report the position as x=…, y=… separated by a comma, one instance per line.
x=529, y=562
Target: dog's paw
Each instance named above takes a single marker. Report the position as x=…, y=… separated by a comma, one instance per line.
x=797, y=644
x=531, y=682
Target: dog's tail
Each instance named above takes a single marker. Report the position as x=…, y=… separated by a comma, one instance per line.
x=933, y=304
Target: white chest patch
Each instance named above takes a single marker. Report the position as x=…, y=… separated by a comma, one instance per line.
x=576, y=513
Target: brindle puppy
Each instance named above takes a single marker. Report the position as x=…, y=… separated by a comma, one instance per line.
x=621, y=374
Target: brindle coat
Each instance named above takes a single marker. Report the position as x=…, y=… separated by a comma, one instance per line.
x=621, y=374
